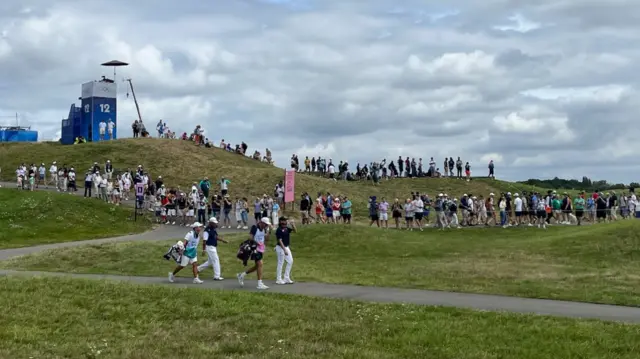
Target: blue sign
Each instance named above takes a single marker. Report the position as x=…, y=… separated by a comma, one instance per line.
x=104, y=119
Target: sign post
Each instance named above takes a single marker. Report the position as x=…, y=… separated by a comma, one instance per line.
x=289, y=187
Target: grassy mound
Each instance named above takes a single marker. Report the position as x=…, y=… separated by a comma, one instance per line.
x=33, y=218
x=182, y=163
x=56, y=318
x=592, y=263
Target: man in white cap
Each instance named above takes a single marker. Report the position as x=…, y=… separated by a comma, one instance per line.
x=259, y=233
x=190, y=255
x=210, y=240
x=53, y=175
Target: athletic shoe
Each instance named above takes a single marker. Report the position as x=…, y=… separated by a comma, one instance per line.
x=171, y=277
x=280, y=282
x=197, y=281
x=218, y=278
x=261, y=286
x=288, y=281
x=240, y=279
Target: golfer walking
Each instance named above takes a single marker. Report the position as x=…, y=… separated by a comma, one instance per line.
x=259, y=233
x=210, y=240
x=190, y=255
x=283, y=253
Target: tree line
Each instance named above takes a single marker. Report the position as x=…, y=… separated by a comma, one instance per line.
x=585, y=185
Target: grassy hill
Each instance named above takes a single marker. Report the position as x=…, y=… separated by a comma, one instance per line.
x=181, y=163
x=33, y=218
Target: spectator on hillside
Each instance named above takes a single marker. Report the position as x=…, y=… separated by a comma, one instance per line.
x=491, y=169
x=459, y=168
x=467, y=171
x=224, y=186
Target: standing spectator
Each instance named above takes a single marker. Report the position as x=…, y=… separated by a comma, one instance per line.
x=491, y=168
x=53, y=175
x=136, y=129
x=102, y=126
x=110, y=127
x=459, y=168
x=451, y=164
x=205, y=186
x=224, y=186
x=467, y=171
x=88, y=184
x=42, y=175
x=304, y=209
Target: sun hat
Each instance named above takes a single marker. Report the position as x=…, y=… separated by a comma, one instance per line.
x=213, y=220
x=196, y=224
x=266, y=221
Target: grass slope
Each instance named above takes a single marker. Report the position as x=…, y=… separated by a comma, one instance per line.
x=64, y=318
x=33, y=218
x=249, y=178
x=591, y=263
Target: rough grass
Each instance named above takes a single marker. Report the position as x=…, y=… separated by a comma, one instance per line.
x=64, y=318
x=33, y=218
x=182, y=163
x=597, y=263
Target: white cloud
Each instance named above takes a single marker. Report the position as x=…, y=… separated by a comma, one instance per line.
x=353, y=80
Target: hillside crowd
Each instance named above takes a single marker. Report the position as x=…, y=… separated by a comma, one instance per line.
x=383, y=170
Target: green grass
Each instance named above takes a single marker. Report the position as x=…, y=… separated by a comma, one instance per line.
x=33, y=218
x=598, y=263
x=248, y=177
x=66, y=318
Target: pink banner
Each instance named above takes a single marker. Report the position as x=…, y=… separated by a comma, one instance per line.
x=289, y=185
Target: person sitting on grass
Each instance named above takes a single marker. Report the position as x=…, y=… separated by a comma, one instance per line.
x=190, y=255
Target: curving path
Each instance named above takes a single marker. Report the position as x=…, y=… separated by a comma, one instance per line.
x=372, y=294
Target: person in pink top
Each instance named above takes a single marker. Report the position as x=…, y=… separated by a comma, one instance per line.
x=383, y=210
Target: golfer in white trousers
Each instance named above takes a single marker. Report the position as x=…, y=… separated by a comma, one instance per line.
x=283, y=236
x=210, y=246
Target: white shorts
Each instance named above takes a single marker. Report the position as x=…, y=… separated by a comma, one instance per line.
x=116, y=192
x=185, y=261
x=171, y=212
x=336, y=214
x=190, y=213
x=384, y=216
x=102, y=131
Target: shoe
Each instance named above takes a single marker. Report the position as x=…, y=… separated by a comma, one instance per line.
x=238, y=227
x=171, y=277
x=240, y=279
x=218, y=278
x=197, y=281
x=288, y=281
x=280, y=282
x=261, y=286
x=245, y=227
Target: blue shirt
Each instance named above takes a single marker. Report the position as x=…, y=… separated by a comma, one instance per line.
x=284, y=234
x=211, y=236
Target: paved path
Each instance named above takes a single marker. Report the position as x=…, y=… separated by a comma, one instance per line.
x=372, y=294
x=391, y=295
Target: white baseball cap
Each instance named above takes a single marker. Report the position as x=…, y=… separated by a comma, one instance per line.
x=266, y=220
x=213, y=220
x=196, y=224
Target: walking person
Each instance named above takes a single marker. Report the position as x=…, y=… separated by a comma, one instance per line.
x=190, y=255
x=283, y=252
x=259, y=233
x=210, y=240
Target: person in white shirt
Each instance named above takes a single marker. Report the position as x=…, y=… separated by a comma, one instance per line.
x=517, y=203
x=103, y=188
x=190, y=253
x=103, y=129
x=88, y=184
x=110, y=127
x=20, y=178
x=408, y=214
x=53, y=175
x=97, y=179
x=332, y=170
x=418, y=207
x=42, y=177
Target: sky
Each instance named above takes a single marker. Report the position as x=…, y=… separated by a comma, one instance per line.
x=544, y=88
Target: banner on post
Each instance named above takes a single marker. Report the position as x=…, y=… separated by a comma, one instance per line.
x=289, y=185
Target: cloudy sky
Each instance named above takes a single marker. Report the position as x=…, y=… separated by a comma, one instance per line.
x=544, y=90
